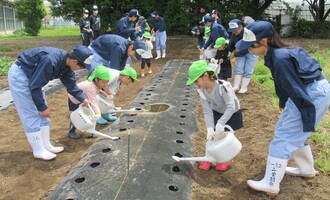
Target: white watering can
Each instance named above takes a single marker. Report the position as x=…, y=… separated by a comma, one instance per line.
x=210, y=53
x=224, y=147
x=84, y=119
x=105, y=104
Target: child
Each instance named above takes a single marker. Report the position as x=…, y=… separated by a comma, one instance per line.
x=126, y=76
x=222, y=58
x=147, y=55
x=32, y=70
x=85, y=30
x=91, y=87
x=304, y=98
x=143, y=24
x=219, y=102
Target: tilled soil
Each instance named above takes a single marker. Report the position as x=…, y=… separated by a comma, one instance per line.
x=23, y=177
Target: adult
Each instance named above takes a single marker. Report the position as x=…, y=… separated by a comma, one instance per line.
x=304, y=98
x=217, y=30
x=125, y=26
x=32, y=70
x=245, y=60
x=159, y=31
x=85, y=30
x=95, y=21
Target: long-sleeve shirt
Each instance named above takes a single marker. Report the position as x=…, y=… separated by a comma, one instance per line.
x=217, y=30
x=95, y=22
x=159, y=24
x=292, y=69
x=125, y=28
x=148, y=54
x=232, y=43
x=91, y=91
x=223, y=54
x=43, y=64
x=222, y=99
x=112, y=48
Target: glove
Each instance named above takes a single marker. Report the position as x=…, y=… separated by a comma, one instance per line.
x=213, y=60
x=219, y=128
x=221, y=61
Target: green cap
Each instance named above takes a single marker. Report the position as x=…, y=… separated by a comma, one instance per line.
x=100, y=72
x=147, y=28
x=197, y=69
x=219, y=42
x=147, y=35
x=129, y=71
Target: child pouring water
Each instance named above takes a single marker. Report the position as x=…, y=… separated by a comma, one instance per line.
x=118, y=78
x=219, y=103
x=222, y=58
x=91, y=87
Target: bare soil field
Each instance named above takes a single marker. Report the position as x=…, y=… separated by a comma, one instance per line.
x=23, y=177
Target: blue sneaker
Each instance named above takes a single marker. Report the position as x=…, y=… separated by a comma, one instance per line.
x=101, y=121
x=109, y=117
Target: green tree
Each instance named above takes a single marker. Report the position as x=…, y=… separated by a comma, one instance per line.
x=180, y=15
x=31, y=12
x=317, y=9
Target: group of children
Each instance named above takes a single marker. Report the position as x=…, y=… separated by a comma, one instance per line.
x=303, y=91
x=90, y=26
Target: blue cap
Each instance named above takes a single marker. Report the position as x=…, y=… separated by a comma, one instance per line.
x=194, y=30
x=255, y=32
x=215, y=11
x=154, y=13
x=140, y=48
x=208, y=18
x=134, y=12
x=84, y=55
x=234, y=24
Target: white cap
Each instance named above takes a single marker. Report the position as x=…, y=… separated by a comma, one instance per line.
x=95, y=7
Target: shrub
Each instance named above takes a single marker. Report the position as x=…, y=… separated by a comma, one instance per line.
x=5, y=63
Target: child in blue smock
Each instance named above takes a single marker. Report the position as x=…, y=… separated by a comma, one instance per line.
x=304, y=98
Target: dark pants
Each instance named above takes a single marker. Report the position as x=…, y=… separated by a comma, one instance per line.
x=144, y=61
x=224, y=74
x=86, y=39
x=235, y=122
x=96, y=34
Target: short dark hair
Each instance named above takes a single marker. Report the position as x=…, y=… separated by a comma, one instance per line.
x=71, y=56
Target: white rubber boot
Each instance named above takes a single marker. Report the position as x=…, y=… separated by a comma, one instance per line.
x=237, y=82
x=304, y=159
x=274, y=174
x=45, y=133
x=164, y=53
x=245, y=83
x=158, y=54
x=38, y=148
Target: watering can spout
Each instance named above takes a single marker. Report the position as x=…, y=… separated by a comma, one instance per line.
x=201, y=159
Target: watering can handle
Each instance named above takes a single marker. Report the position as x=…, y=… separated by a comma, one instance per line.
x=103, y=93
x=229, y=128
x=93, y=115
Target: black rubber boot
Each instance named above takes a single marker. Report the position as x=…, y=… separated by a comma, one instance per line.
x=72, y=132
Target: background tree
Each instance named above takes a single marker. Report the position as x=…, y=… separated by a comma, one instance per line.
x=31, y=13
x=180, y=15
x=317, y=9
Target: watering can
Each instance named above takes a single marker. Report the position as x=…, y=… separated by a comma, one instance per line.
x=84, y=119
x=210, y=53
x=224, y=147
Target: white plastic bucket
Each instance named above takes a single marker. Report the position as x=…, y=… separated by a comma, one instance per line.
x=83, y=118
x=104, y=104
x=210, y=53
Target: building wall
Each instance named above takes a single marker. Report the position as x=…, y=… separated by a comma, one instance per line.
x=8, y=22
